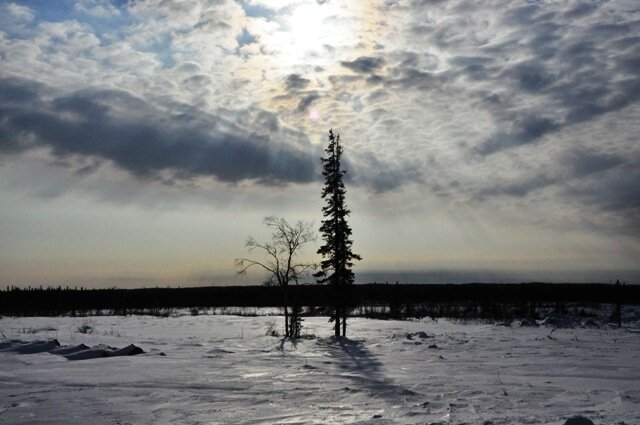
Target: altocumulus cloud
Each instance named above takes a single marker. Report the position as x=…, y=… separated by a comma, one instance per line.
x=364, y=64
x=485, y=103
x=145, y=140
x=513, y=99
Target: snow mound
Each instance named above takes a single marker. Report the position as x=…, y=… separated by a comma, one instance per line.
x=578, y=420
x=70, y=352
x=32, y=347
x=419, y=334
x=129, y=350
x=96, y=352
x=7, y=344
x=69, y=349
x=100, y=351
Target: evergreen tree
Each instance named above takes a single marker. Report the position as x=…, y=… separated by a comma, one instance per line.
x=338, y=258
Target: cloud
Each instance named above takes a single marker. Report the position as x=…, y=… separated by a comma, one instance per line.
x=518, y=189
x=136, y=136
x=15, y=20
x=524, y=130
x=14, y=91
x=364, y=64
x=583, y=163
x=614, y=192
x=530, y=76
x=544, y=66
x=98, y=8
x=365, y=169
x=21, y=13
x=295, y=82
x=427, y=93
x=307, y=101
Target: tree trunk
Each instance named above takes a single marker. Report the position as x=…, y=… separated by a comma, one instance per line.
x=286, y=321
x=286, y=312
x=338, y=304
x=345, y=303
x=344, y=322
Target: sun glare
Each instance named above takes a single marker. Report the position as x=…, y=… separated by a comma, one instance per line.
x=306, y=26
x=310, y=28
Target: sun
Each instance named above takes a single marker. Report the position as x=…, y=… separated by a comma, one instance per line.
x=305, y=26
x=310, y=28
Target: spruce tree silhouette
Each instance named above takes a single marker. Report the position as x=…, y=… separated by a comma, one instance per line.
x=338, y=258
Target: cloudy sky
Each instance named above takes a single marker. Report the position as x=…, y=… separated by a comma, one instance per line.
x=142, y=142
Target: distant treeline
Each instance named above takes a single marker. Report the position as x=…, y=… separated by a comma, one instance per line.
x=54, y=301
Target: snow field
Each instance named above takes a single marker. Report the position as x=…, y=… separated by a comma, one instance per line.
x=225, y=370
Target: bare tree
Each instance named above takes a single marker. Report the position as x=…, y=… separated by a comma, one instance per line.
x=280, y=258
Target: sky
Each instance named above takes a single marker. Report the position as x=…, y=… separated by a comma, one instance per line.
x=143, y=142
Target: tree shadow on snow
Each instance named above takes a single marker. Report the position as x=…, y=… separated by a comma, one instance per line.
x=283, y=340
x=362, y=368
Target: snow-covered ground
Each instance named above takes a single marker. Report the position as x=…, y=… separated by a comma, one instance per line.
x=225, y=370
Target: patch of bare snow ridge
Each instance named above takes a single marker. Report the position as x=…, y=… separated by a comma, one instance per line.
x=225, y=370
x=70, y=352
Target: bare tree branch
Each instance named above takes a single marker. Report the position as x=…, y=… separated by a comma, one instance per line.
x=280, y=255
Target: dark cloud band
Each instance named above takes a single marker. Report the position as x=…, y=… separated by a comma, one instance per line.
x=142, y=139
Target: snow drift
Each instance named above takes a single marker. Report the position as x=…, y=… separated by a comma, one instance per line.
x=70, y=352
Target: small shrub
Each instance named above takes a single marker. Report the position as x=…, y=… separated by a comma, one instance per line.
x=85, y=328
x=295, y=321
x=271, y=329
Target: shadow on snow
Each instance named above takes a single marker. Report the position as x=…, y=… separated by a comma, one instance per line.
x=357, y=364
